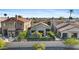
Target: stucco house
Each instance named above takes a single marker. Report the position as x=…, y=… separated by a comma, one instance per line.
x=2, y=19
x=68, y=30
x=12, y=26
x=40, y=27
x=55, y=24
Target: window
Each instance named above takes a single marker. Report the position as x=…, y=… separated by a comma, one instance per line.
x=3, y=24
x=33, y=31
x=74, y=35
x=47, y=30
x=64, y=35
x=20, y=23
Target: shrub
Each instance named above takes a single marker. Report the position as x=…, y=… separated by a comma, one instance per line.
x=37, y=35
x=39, y=46
x=22, y=35
x=71, y=41
x=41, y=39
x=2, y=43
x=51, y=34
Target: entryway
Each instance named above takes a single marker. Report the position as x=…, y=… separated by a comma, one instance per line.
x=5, y=33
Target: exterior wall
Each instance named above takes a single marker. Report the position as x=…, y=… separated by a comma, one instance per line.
x=19, y=25
x=27, y=25
x=8, y=25
x=0, y=24
x=69, y=34
x=40, y=28
x=14, y=26
x=11, y=27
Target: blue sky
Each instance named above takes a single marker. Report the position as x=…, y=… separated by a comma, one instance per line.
x=39, y=12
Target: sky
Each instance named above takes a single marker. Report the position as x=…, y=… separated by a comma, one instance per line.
x=39, y=12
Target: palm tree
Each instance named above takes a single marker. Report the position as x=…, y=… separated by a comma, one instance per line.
x=71, y=11
x=5, y=14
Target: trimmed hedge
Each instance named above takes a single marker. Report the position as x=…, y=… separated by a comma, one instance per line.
x=39, y=46
x=50, y=37
x=41, y=39
x=2, y=43
x=71, y=41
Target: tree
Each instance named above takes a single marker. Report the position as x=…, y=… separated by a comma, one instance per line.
x=71, y=11
x=52, y=18
x=5, y=14
x=61, y=18
x=34, y=18
x=20, y=16
x=49, y=22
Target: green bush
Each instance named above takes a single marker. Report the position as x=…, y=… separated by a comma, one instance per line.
x=37, y=35
x=51, y=34
x=71, y=41
x=47, y=39
x=2, y=43
x=39, y=46
x=22, y=35
x=41, y=39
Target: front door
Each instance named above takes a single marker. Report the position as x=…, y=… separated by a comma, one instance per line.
x=74, y=35
x=5, y=33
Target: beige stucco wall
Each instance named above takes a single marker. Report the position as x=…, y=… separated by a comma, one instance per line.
x=40, y=27
x=27, y=25
x=71, y=31
x=7, y=25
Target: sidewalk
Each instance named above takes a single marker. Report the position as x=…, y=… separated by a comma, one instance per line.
x=57, y=38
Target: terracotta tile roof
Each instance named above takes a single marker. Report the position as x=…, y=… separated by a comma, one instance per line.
x=65, y=28
x=70, y=26
x=2, y=19
x=40, y=23
x=61, y=25
x=58, y=21
x=16, y=19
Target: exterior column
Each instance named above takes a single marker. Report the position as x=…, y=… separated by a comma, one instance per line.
x=7, y=33
x=69, y=35
x=61, y=35
x=2, y=33
x=44, y=32
x=77, y=35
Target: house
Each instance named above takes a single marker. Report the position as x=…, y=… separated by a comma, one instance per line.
x=69, y=30
x=55, y=23
x=1, y=19
x=12, y=26
x=40, y=27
